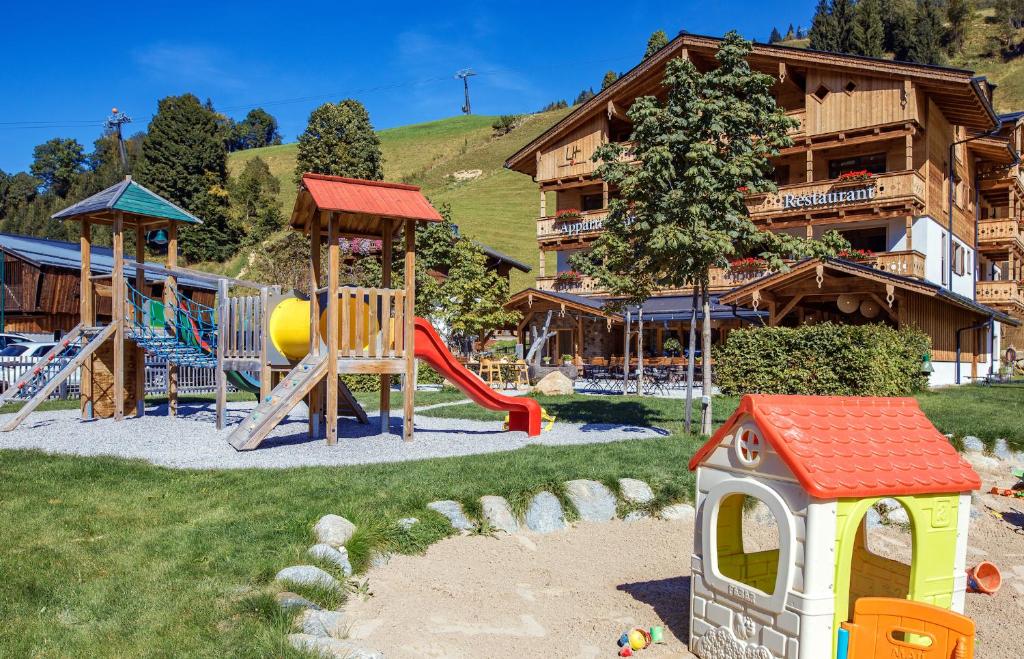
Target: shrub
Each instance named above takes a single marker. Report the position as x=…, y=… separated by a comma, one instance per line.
x=506, y=123
x=823, y=360
x=366, y=383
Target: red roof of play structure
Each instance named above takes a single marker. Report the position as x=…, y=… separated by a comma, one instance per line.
x=352, y=195
x=854, y=447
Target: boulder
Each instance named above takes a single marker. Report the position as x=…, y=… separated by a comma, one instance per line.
x=338, y=557
x=897, y=516
x=678, y=512
x=334, y=530
x=308, y=575
x=635, y=491
x=885, y=505
x=1001, y=449
x=316, y=622
x=592, y=500
x=554, y=384
x=874, y=518
x=289, y=601
x=379, y=559
x=973, y=445
x=498, y=514
x=407, y=523
x=983, y=462
x=453, y=511
x=332, y=647
x=544, y=514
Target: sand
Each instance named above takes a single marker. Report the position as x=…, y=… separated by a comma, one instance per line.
x=571, y=593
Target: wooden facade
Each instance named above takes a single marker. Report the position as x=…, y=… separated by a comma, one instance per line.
x=942, y=200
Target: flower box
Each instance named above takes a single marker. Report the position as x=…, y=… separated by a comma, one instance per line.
x=568, y=214
x=748, y=264
x=856, y=254
x=854, y=178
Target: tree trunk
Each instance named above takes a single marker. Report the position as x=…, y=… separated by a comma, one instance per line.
x=534, y=355
x=691, y=348
x=705, y=418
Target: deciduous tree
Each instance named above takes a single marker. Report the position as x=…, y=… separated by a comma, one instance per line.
x=339, y=139
x=254, y=204
x=58, y=163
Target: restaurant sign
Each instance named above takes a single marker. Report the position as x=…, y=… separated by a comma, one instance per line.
x=584, y=225
x=830, y=198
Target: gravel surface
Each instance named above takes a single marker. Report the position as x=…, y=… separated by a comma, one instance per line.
x=192, y=442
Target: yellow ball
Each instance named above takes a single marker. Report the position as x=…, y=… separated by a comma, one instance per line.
x=637, y=640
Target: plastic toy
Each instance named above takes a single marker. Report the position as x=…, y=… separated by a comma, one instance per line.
x=818, y=464
x=984, y=578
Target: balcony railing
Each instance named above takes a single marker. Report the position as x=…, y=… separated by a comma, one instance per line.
x=588, y=223
x=1000, y=233
x=905, y=263
x=800, y=114
x=890, y=187
x=1001, y=294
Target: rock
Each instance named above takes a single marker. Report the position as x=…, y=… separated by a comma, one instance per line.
x=289, y=601
x=554, y=383
x=874, y=518
x=322, y=623
x=1002, y=450
x=334, y=530
x=498, y=514
x=885, y=505
x=761, y=514
x=635, y=516
x=332, y=647
x=973, y=445
x=336, y=557
x=635, y=491
x=681, y=512
x=592, y=500
x=379, y=559
x=467, y=174
x=308, y=575
x=983, y=462
x=897, y=516
x=453, y=511
x=407, y=523
x=544, y=514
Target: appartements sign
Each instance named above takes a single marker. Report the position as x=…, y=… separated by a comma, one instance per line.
x=830, y=198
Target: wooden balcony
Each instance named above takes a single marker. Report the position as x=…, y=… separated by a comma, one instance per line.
x=906, y=189
x=905, y=263
x=1006, y=296
x=800, y=114
x=588, y=225
x=1000, y=235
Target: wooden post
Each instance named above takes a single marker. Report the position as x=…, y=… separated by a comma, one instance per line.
x=140, y=354
x=541, y=263
x=909, y=229
x=625, y=352
x=409, y=390
x=117, y=313
x=543, y=203
x=387, y=240
x=640, y=353
x=333, y=264
x=313, y=403
x=87, y=311
x=604, y=194
x=810, y=165
x=265, y=372
x=222, y=337
x=170, y=298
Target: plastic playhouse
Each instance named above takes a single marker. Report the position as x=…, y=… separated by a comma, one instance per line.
x=819, y=464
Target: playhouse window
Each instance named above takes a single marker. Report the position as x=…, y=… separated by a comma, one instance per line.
x=748, y=542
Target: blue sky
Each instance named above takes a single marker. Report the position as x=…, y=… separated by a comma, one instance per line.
x=70, y=64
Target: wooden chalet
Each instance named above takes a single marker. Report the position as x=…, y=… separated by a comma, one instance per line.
x=909, y=162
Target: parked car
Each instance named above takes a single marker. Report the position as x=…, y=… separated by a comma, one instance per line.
x=17, y=358
x=7, y=338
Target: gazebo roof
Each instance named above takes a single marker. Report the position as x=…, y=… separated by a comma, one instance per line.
x=140, y=204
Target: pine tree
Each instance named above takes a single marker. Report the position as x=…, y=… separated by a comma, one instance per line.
x=929, y=34
x=339, y=139
x=656, y=42
x=609, y=78
x=844, y=14
x=958, y=14
x=775, y=36
x=184, y=159
x=824, y=33
x=898, y=22
x=868, y=35
x=584, y=96
x=791, y=34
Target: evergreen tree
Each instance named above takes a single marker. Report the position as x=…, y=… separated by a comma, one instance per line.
x=775, y=36
x=184, y=160
x=929, y=34
x=898, y=22
x=791, y=34
x=958, y=14
x=824, y=34
x=844, y=14
x=682, y=208
x=254, y=204
x=584, y=96
x=868, y=35
x=656, y=42
x=58, y=163
x=339, y=139
x=609, y=78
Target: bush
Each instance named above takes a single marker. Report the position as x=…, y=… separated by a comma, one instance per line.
x=506, y=123
x=366, y=383
x=823, y=360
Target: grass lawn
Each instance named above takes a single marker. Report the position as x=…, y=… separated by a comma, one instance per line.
x=117, y=558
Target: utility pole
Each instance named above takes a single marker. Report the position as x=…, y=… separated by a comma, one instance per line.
x=465, y=75
x=114, y=122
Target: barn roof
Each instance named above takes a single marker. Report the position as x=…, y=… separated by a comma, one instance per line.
x=131, y=198
x=68, y=256
x=841, y=447
x=366, y=201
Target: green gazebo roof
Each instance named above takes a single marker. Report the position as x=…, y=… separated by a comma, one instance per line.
x=127, y=197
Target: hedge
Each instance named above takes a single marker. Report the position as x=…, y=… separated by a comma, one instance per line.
x=367, y=383
x=823, y=360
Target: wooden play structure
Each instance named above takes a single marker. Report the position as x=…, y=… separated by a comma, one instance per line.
x=818, y=464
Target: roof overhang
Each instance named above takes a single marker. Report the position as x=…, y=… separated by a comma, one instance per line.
x=526, y=298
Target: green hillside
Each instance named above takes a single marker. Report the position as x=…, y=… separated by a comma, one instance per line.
x=497, y=207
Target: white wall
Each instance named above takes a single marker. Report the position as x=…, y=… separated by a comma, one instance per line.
x=932, y=239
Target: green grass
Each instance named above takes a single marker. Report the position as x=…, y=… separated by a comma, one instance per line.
x=499, y=208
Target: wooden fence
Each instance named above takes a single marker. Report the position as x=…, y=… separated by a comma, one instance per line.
x=372, y=320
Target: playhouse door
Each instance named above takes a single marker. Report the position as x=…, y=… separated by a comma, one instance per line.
x=902, y=629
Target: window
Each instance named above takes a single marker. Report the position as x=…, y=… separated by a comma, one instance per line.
x=12, y=273
x=960, y=259
x=13, y=350
x=748, y=542
x=780, y=175
x=874, y=163
x=592, y=202
x=850, y=86
x=943, y=259
x=821, y=92
x=873, y=239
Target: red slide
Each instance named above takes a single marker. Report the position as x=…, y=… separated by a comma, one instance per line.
x=523, y=413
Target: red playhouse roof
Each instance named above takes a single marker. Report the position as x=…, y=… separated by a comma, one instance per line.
x=361, y=197
x=854, y=447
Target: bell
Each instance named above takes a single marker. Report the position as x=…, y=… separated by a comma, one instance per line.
x=869, y=308
x=847, y=303
x=157, y=240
